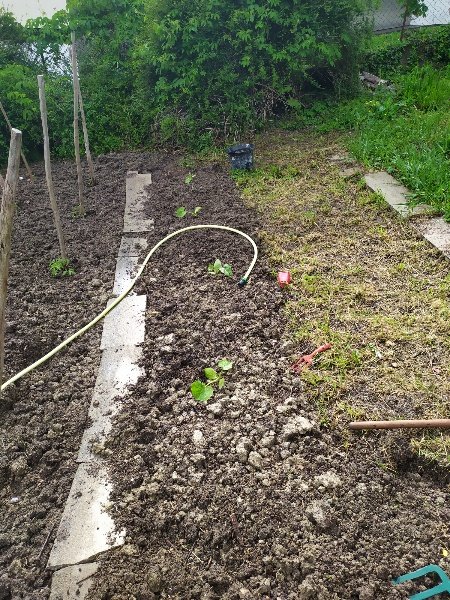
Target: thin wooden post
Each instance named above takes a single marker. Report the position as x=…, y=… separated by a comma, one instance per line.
x=48, y=167
x=6, y=219
x=22, y=155
x=76, y=133
x=86, y=137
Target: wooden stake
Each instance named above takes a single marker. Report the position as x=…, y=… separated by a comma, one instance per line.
x=48, y=167
x=22, y=155
x=76, y=133
x=405, y=424
x=6, y=219
x=86, y=138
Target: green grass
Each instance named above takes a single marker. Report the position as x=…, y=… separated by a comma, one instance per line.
x=406, y=132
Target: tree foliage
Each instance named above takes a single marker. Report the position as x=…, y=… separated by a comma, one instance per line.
x=176, y=71
x=230, y=65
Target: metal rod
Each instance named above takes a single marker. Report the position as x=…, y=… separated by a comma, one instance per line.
x=402, y=424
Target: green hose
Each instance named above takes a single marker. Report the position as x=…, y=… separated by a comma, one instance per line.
x=119, y=299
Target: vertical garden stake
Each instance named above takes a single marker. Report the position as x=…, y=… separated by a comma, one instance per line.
x=76, y=133
x=83, y=115
x=48, y=167
x=6, y=219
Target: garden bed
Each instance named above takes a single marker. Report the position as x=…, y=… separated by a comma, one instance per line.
x=42, y=417
x=240, y=498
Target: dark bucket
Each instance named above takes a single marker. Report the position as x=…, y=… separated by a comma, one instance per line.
x=241, y=156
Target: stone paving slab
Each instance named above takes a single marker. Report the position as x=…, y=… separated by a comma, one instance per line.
x=125, y=324
x=119, y=369
x=436, y=231
x=126, y=270
x=133, y=246
x=135, y=220
x=86, y=529
x=72, y=582
x=395, y=194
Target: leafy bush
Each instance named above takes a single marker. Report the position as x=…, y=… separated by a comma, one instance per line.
x=388, y=54
x=221, y=67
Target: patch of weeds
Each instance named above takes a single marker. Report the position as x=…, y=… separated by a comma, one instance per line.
x=217, y=268
x=181, y=212
x=189, y=178
x=77, y=212
x=201, y=391
x=434, y=448
x=61, y=267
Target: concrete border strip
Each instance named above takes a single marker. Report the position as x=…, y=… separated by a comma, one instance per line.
x=86, y=530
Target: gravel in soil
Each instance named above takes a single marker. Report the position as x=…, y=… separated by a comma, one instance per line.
x=248, y=496
x=42, y=417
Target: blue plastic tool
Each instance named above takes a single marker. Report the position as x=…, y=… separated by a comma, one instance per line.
x=441, y=588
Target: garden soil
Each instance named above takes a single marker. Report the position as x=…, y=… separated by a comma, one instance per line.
x=245, y=497
x=248, y=496
x=43, y=416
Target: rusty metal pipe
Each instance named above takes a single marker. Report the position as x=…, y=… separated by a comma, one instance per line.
x=402, y=424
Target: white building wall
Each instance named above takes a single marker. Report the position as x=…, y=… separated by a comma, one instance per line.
x=389, y=16
x=30, y=9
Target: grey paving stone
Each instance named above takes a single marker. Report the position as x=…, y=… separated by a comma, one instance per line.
x=350, y=172
x=119, y=369
x=395, y=194
x=436, y=231
x=135, y=220
x=125, y=324
x=86, y=529
x=126, y=269
x=72, y=582
x=133, y=246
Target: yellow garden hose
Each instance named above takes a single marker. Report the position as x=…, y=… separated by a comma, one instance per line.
x=119, y=299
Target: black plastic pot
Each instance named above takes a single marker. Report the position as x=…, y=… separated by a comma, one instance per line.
x=241, y=156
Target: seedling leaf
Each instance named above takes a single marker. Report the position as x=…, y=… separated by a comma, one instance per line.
x=211, y=374
x=221, y=382
x=225, y=364
x=189, y=178
x=201, y=392
x=226, y=270
x=196, y=210
x=180, y=212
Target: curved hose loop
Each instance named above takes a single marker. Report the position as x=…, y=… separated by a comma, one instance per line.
x=119, y=299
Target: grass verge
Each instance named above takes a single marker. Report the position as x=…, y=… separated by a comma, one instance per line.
x=405, y=132
x=363, y=280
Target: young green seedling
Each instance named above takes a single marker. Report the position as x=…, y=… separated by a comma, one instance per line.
x=196, y=210
x=181, y=212
x=189, y=178
x=61, y=267
x=217, y=268
x=202, y=392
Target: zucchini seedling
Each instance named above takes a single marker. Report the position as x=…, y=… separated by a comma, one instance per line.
x=217, y=268
x=201, y=391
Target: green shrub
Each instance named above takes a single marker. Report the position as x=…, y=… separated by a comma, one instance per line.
x=388, y=54
x=224, y=67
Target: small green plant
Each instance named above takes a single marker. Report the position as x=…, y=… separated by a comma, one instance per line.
x=196, y=211
x=181, y=212
x=217, y=268
x=189, y=178
x=61, y=267
x=77, y=212
x=201, y=391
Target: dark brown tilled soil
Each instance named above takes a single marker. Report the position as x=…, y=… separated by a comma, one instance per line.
x=42, y=417
x=247, y=497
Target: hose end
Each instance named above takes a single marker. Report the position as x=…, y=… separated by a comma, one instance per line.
x=243, y=282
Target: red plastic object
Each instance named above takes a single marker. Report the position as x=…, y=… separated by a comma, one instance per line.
x=307, y=359
x=284, y=278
